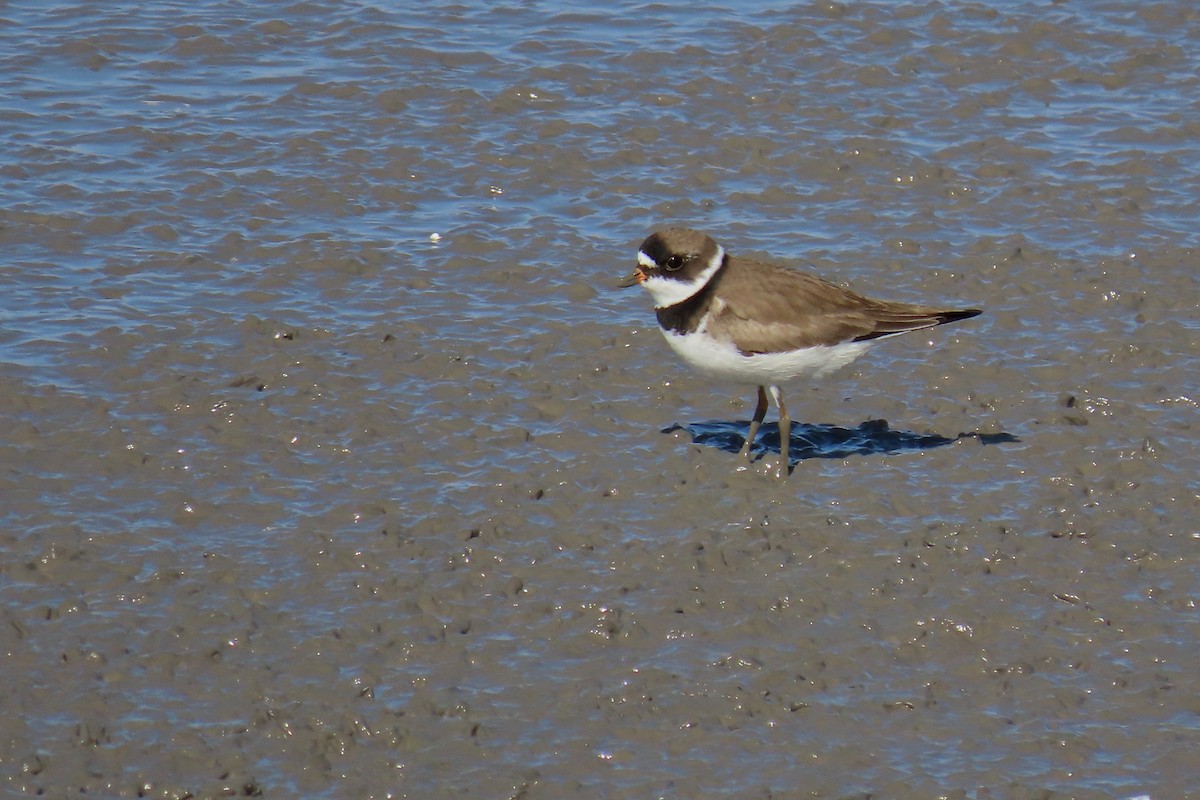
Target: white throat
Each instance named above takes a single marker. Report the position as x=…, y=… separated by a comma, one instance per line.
x=669, y=291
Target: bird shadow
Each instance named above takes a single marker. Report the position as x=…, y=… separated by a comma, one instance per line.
x=811, y=440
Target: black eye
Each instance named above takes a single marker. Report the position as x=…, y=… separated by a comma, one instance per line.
x=673, y=263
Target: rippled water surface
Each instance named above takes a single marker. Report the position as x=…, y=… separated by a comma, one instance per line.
x=335, y=465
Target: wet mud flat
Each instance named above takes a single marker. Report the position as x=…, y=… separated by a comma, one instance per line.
x=300, y=500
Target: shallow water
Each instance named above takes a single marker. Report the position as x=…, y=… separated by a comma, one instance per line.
x=303, y=500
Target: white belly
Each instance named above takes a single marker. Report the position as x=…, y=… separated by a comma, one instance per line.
x=720, y=360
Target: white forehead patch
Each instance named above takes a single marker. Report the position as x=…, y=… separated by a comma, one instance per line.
x=669, y=291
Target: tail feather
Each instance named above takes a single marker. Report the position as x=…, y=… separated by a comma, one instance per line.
x=896, y=322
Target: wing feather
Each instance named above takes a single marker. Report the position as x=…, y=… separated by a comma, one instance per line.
x=768, y=308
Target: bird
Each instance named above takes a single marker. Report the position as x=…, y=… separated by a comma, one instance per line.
x=745, y=321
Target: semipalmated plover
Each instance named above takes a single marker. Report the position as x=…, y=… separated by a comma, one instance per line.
x=750, y=322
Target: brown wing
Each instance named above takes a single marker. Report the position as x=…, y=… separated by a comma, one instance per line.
x=769, y=308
